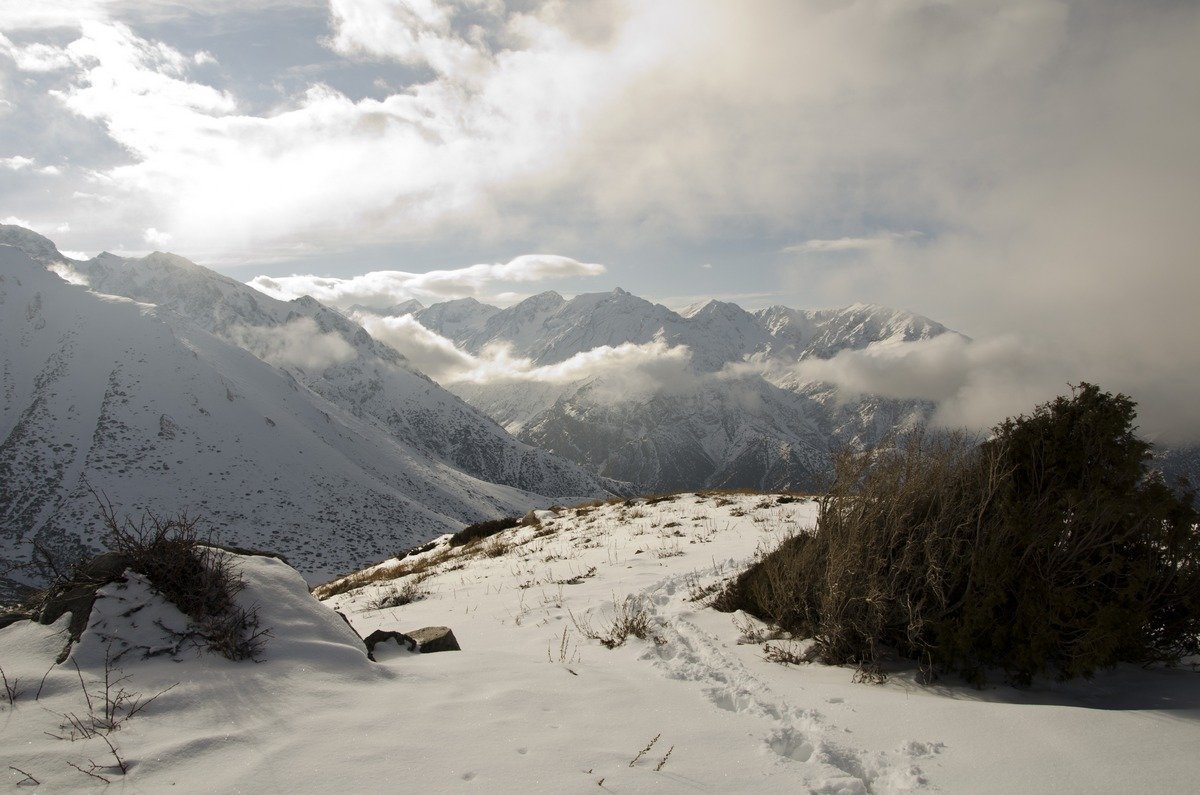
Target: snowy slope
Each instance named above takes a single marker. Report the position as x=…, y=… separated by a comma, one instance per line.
x=800, y=334
x=452, y=319
x=530, y=704
x=337, y=359
x=742, y=434
x=157, y=413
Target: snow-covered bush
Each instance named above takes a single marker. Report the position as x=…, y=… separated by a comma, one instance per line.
x=1047, y=548
x=197, y=577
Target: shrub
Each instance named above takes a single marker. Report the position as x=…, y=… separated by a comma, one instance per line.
x=630, y=617
x=1047, y=548
x=481, y=530
x=196, y=576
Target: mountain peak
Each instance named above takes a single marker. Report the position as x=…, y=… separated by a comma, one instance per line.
x=39, y=248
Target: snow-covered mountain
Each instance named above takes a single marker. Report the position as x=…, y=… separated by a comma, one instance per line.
x=719, y=426
x=325, y=445
x=547, y=328
x=336, y=358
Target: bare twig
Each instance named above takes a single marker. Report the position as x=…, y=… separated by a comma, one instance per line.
x=91, y=772
x=645, y=750
x=12, y=689
x=28, y=778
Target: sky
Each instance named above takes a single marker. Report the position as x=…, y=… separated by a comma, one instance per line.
x=1024, y=171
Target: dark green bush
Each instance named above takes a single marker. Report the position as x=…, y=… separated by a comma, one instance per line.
x=1047, y=548
x=481, y=530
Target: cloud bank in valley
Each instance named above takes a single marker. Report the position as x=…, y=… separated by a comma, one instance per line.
x=975, y=384
x=619, y=371
x=385, y=288
x=297, y=343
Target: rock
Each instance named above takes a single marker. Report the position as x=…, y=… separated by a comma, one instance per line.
x=433, y=639
x=77, y=596
x=381, y=635
x=77, y=601
x=106, y=567
x=12, y=618
x=248, y=551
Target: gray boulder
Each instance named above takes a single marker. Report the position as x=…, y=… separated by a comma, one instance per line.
x=383, y=635
x=433, y=639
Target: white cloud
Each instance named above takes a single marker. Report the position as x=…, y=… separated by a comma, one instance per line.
x=882, y=240
x=20, y=163
x=322, y=167
x=417, y=32
x=15, y=221
x=618, y=372
x=297, y=343
x=975, y=383
x=67, y=273
x=156, y=238
x=36, y=57
x=382, y=288
x=59, y=14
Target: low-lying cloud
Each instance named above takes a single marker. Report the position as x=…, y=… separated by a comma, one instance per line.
x=617, y=371
x=297, y=343
x=975, y=384
x=386, y=288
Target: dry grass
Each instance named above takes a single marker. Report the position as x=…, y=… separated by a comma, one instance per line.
x=630, y=618
x=403, y=568
x=398, y=597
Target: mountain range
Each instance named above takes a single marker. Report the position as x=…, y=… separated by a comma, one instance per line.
x=168, y=387
x=714, y=423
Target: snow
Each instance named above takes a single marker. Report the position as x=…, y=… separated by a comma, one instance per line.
x=530, y=704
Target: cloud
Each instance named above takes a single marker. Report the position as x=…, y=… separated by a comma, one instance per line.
x=619, y=372
x=36, y=57
x=384, y=288
x=431, y=353
x=67, y=273
x=974, y=383
x=16, y=162
x=415, y=32
x=882, y=240
x=505, y=103
x=297, y=343
x=156, y=238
